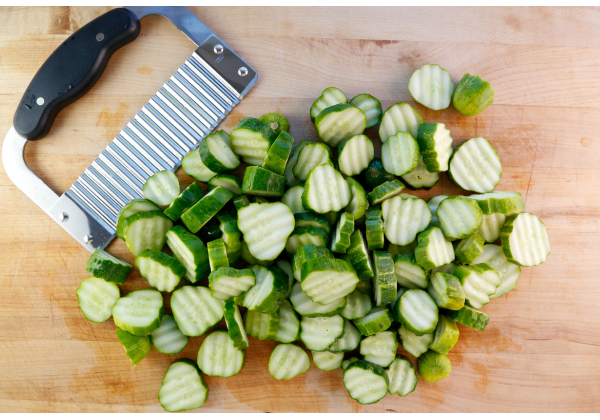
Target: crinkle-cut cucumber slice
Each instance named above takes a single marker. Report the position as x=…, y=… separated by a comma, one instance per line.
x=136, y=205
x=459, y=217
x=433, y=249
x=491, y=226
x=357, y=255
x=472, y=95
x=325, y=190
x=446, y=268
x=235, y=325
x=525, y=240
x=96, y=298
x=402, y=376
x=433, y=366
x=366, y=382
x=404, y=216
x=183, y=387
x=420, y=177
x=219, y=357
x=433, y=204
x=435, y=144
x=302, y=236
x=504, y=202
x=228, y=282
x=251, y=140
x=193, y=166
x=329, y=97
x=289, y=167
x=308, y=218
x=326, y=360
x=446, y=291
x=348, y=341
x=293, y=199
x=358, y=305
x=409, y=274
x=400, y=153
x=469, y=317
x=162, y=188
x=311, y=156
x=287, y=361
x=319, y=332
x=306, y=253
x=380, y=348
x=269, y=291
x=307, y=308
x=414, y=344
x=384, y=191
x=326, y=280
x=475, y=166
x=289, y=325
x=162, y=271
x=232, y=237
x=167, y=338
x=354, y=154
x=337, y=122
x=249, y=259
x=277, y=122
x=188, y=197
x=509, y=273
x=286, y=267
x=374, y=228
x=384, y=282
x=417, y=311
x=375, y=175
x=262, y=326
x=469, y=248
x=216, y=153
x=359, y=203
x=262, y=182
x=399, y=117
x=195, y=310
x=266, y=228
x=217, y=254
x=479, y=281
x=136, y=348
x=139, y=312
x=378, y=319
x=104, y=266
x=190, y=251
x=227, y=181
x=279, y=153
x=370, y=106
x=340, y=240
x=431, y=86
x=146, y=230
x=208, y=206
x=445, y=336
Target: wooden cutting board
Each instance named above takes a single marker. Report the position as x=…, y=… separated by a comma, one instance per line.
x=541, y=350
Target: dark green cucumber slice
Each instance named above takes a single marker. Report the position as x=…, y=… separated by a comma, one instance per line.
x=201, y=212
x=184, y=201
x=357, y=255
x=231, y=236
x=433, y=249
x=378, y=319
x=227, y=181
x=262, y=326
x=311, y=219
x=384, y=191
x=436, y=146
x=235, y=325
x=306, y=253
x=359, y=203
x=472, y=95
x=104, y=266
x=340, y=240
x=374, y=228
x=384, y=281
x=262, y=182
x=279, y=153
x=217, y=254
x=375, y=174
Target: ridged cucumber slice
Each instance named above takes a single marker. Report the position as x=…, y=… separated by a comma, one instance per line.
x=469, y=248
x=325, y=190
x=96, y=298
x=277, y=122
x=330, y=96
x=491, y=226
x=293, y=199
x=326, y=280
x=167, y=338
x=374, y=228
x=402, y=376
x=228, y=282
x=354, y=154
x=384, y=191
x=479, y=281
x=188, y=197
x=136, y=348
x=318, y=333
x=183, y=387
x=459, y=217
x=287, y=361
x=504, y=202
x=420, y=177
x=337, y=122
x=366, y=382
x=269, y=291
x=162, y=188
x=308, y=218
x=190, y=251
x=446, y=291
x=227, y=181
x=475, y=166
x=306, y=253
x=235, y=325
x=433, y=366
x=104, y=266
x=359, y=203
x=525, y=240
x=232, y=237
x=217, y=254
x=348, y=341
x=404, y=216
x=289, y=324
x=216, y=153
x=385, y=280
x=208, y=206
x=370, y=106
x=249, y=259
x=139, y=312
x=289, y=167
x=219, y=357
x=279, y=153
x=378, y=319
x=137, y=205
x=162, y=271
x=262, y=326
x=433, y=249
x=326, y=360
x=469, y=317
x=509, y=273
x=472, y=95
x=195, y=310
x=380, y=348
x=311, y=156
x=146, y=230
x=445, y=336
x=433, y=204
x=266, y=228
x=357, y=305
x=193, y=166
x=286, y=267
x=357, y=255
x=262, y=182
x=431, y=86
x=400, y=153
x=340, y=240
x=417, y=311
x=409, y=274
x=251, y=140
x=436, y=146
x=399, y=117
x=302, y=236
x=414, y=344
x=307, y=308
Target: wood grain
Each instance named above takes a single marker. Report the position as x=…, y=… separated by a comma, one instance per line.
x=541, y=351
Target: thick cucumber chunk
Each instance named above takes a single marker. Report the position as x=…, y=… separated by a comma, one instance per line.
x=318, y=333
x=302, y=236
x=374, y=228
x=241, y=201
x=525, y=240
x=325, y=190
x=380, y=348
x=459, y=217
x=104, y=266
x=289, y=325
x=235, y=325
x=229, y=182
x=167, y=338
x=446, y=291
x=146, y=230
x=503, y=202
x=269, y=291
x=190, y=196
x=251, y=140
x=326, y=280
x=370, y=106
x=195, y=310
x=414, y=344
x=140, y=312
x=469, y=248
x=193, y=166
x=384, y=191
x=266, y=228
x=357, y=305
x=409, y=274
x=366, y=382
x=385, y=279
x=475, y=166
x=354, y=154
x=137, y=205
x=358, y=203
x=308, y=218
x=357, y=255
x=209, y=205
x=287, y=361
x=307, y=308
x=400, y=153
x=473, y=95
x=216, y=154
x=289, y=167
x=417, y=311
x=232, y=237
x=183, y=387
x=162, y=188
x=330, y=96
x=262, y=326
x=469, y=317
x=436, y=146
x=431, y=86
x=402, y=376
x=479, y=281
x=311, y=156
x=445, y=336
x=217, y=254
x=399, y=117
x=277, y=122
x=404, y=216
x=378, y=319
x=340, y=241
x=262, y=182
x=228, y=282
x=293, y=199
x=162, y=271
x=136, y=348
x=337, y=122
x=306, y=253
x=491, y=226
x=326, y=360
x=420, y=177
x=218, y=356
x=348, y=341
x=279, y=153
x=433, y=249
x=509, y=273
x=190, y=251
x=433, y=366
x=96, y=298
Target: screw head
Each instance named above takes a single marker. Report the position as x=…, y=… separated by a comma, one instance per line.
x=218, y=49
x=88, y=239
x=99, y=37
x=63, y=217
x=242, y=71
x=39, y=101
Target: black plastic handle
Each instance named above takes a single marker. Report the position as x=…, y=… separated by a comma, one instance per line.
x=72, y=69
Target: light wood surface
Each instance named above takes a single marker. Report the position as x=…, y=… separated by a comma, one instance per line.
x=541, y=350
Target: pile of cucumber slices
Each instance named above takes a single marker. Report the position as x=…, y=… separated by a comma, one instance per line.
x=320, y=248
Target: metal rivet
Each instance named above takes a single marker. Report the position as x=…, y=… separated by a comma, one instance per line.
x=100, y=37
x=242, y=71
x=88, y=239
x=218, y=49
x=63, y=217
x=39, y=101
